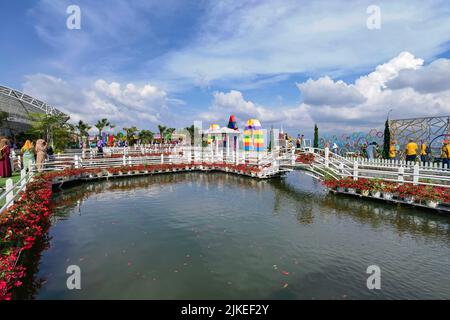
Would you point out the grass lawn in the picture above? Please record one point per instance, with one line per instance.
(15, 177)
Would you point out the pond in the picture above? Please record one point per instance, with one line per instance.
(222, 236)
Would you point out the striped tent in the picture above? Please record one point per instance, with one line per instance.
(253, 136)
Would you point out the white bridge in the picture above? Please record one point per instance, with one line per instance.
(319, 163)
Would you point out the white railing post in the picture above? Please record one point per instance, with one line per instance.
(75, 160)
(416, 174)
(401, 172)
(162, 158)
(355, 170)
(9, 192)
(23, 182)
(11, 159)
(19, 162)
(129, 161)
(30, 167)
(327, 156)
(124, 159)
(293, 156)
(341, 168)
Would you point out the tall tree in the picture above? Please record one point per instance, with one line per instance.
(146, 136)
(101, 124)
(129, 134)
(191, 131)
(82, 129)
(316, 136)
(387, 140)
(168, 134)
(52, 128)
(162, 129)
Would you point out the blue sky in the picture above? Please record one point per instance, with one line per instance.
(288, 63)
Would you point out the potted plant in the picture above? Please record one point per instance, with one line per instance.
(408, 192)
(432, 195)
(388, 190)
(376, 186)
(349, 184)
(363, 185)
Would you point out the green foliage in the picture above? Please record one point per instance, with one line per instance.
(130, 135)
(387, 140)
(191, 131)
(168, 134)
(146, 136)
(316, 136)
(101, 124)
(3, 117)
(52, 128)
(162, 129)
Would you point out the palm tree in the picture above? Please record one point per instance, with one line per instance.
(191, 131)
(83, 129)
(101, 124)
(130, 132)
(162, 129)
(168, 134)
(146, 136)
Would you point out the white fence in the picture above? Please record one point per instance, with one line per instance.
(328, 163)
(12, 190)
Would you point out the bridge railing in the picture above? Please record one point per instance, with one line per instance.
(12, 190)
(189, 155)
(401, 172)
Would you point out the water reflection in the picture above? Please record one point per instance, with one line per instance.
(377, 214)
(308, 195)
(216, 235)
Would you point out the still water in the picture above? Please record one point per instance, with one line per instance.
(219, 236)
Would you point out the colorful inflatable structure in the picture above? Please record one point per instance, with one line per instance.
(253, 136)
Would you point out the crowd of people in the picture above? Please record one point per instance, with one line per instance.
(32, 153)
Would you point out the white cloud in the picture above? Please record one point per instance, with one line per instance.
(143, 106)
(401, 84)
(432, 78)
(233, 102)
(338, 106)
(338, 92)
(239, 40)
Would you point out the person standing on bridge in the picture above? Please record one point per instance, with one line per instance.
(370, 150)
(445, 155)
(392, 150)
(41, 153)
(27, 154)
(424, 152)
(5, 162)
(411, 151)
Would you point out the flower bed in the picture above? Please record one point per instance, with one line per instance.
(305, 158)
(429, 195)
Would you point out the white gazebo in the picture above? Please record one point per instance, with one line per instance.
(225, 133)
